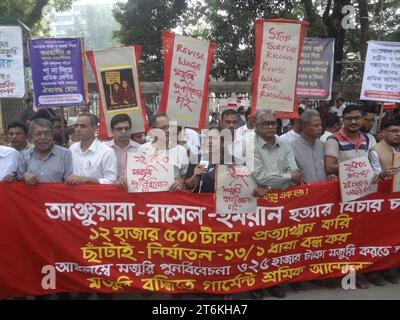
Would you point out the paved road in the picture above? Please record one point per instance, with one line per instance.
(310, 292)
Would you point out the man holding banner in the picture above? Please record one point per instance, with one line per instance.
(93, 161)
(274, 168)
(163, 145)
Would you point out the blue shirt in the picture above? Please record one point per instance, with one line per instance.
(56, 167)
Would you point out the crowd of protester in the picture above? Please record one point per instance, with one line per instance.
(284, 152)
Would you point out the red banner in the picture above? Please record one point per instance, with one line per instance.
(186, 71)
(278, 49)
(100, 238)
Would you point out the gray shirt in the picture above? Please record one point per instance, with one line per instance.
(272, 165)
(310, 159)
(56, 167)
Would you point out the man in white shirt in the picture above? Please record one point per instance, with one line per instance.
(121, 127)
(294, 133)
(332, 124)
(163, 145)
(8, 163)
(338, 109)
(93, 161)
(247, 128)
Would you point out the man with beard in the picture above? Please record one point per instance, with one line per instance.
(348, 143)
(381, 156)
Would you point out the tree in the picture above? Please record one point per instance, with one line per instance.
(232, 28)
(30, 11)
(141, 23)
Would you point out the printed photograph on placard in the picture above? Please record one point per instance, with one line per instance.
(119, 88)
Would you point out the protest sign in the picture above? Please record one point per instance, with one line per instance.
(278, 50)
(355, 177)
(118, 85)
(12, 80)
(234, 188)
(185, 89)
(148, 173)
(316, 69)
(381, 80)
(58, 72)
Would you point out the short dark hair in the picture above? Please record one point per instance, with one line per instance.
(228, 112)
(121, 117)
(93, 118)
(17, 124)
(340, 98)
(59, 119)
(387, 123)
(330, 120)
(155, 117)
(351, 108)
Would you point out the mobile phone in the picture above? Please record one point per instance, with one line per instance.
(204, 163)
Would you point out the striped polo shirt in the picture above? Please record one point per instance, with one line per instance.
(340, 147)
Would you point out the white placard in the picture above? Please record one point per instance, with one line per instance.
(381, 80)
(234, 188)
(148, 173)
(355, 176)
(12, 80)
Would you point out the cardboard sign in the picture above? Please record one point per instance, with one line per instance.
(278, 49)
(119, 88)
(355, 177)
(234, 188)
(148, 173)
(187, 67)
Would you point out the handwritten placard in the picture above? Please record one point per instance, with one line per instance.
(58, 72)
(148, 173)
(234, 188)
(316, 69)
(12, 82)
(187, 67)
(381, 80)
(278, 48)
(355, 177)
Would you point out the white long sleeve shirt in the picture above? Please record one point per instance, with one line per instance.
(97, 162)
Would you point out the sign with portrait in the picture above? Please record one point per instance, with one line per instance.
(119, 88)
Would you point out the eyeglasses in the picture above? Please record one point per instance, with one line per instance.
(267, 124)
(349, 119)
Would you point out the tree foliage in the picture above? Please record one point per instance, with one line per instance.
(141, 23)
(30, 12)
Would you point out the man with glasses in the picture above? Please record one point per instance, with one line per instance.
(121, 127)
(274, 168)
(44, 161)
(348, 143)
